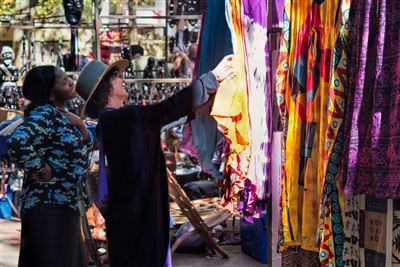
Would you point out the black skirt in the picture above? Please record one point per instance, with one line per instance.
(51, 237)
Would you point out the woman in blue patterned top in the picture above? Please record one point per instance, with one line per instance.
(52, 147)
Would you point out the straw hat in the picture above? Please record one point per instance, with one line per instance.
(91, 76)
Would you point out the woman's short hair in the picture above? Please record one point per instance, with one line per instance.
(99, 99)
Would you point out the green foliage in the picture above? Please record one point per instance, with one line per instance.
(46, 8)
(87, 15)
(7, 7)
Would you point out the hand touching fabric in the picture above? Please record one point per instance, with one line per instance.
(225, 69)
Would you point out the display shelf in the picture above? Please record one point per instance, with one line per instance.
(160, 80)
(133, 17)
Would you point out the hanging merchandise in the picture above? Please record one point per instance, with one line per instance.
(33, 52)
(52, 57)
(60, 58)
(376, 226)
(331, 226)
(192, 7)
(256, 59)
(25, 62)
(9, 91)
(351, 231)
(396, 234)
(276, 10)
(127, 54)
(242, 109)
(201, 135)
(371, 158)
(73, 11)
(302, 88)
(41, 42)
(175, 8)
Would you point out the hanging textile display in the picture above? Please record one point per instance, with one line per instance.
(367, 229)
(255, 40)
(201, 135)
(276, 12)
(371, 160)
(351, 231)
(331, 227)
(302, 88)
(374, 214)
(230, 110)
(242, 109)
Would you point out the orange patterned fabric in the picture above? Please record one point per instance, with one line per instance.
(302, 88)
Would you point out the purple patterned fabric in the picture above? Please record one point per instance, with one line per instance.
(248, 206)
(371, 161)
(277, 10)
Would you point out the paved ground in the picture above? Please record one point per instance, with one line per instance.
(10, 237)
(236, 259)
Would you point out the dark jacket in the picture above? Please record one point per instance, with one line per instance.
(138, 216)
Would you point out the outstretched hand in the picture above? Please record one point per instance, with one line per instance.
(225, 69)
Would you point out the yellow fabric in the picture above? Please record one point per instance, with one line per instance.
(230, 109)
(310, 33)
(231, 113)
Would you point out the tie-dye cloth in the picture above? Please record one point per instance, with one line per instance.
(259, 93)
(242, 108)
(310, 32)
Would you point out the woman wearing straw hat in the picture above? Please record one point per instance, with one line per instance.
(137, 220)
(51, 145)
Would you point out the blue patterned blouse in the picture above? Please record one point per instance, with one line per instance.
(47, 136)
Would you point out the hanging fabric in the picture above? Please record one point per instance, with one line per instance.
(201, 135)
(331, 226)
(255, 40)
(309, 36)
(242, 109)
(277, 7)
(371, 159)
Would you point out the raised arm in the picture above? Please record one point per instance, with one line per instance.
(196, 94)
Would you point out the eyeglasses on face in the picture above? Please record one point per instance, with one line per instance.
(118, 74)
